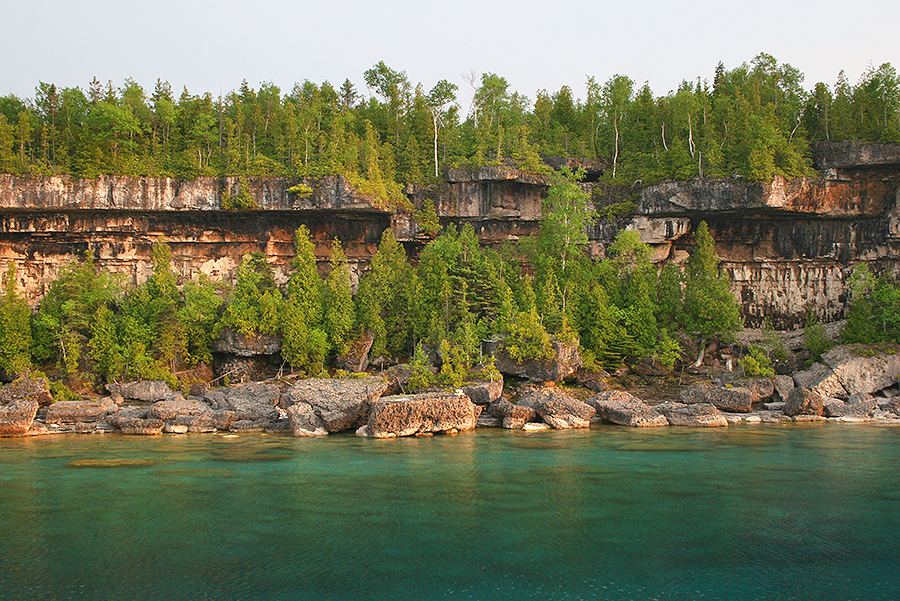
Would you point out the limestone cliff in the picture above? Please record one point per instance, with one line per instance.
(788, 244)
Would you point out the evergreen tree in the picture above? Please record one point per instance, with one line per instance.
(305, 344)
(15, 328)
(338, 300)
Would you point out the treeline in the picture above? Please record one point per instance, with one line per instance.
(755, 120)
(620, 309)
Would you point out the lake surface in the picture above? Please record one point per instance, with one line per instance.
(780, 512)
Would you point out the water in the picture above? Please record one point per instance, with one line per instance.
(798, 512)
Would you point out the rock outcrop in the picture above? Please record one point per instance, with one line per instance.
(697, 415)
(624, 409)
(864, 369)
(512, 417)
(803, 401)
(420, 414)
(564, 363)
(72, 412)
(558, 409)
(19, 403)
(340, 403)
(254, 401)
(146, 391)
(484, 392)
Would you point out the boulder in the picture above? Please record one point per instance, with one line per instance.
(696, 415)
(859, 405)
(592, 379)
(489, 421)
(803, 401)
(513, 417)
(19, 403)
(762, 389)
(206, 422)
(146, 391)
(137, 426)
(736, 398)
(235, 343)
(254, 401)
(169, 410)
(304, 421)
(36, 389)
(618, 407)
(415, 414)
(783, 387)
(250, 425)
(564, 363)
(234, 369)
(398, 379)
(73, 412)
(821, 380)
(864, 369)
(484, 392)
(356, 357)
(558, 409)
(341, 403)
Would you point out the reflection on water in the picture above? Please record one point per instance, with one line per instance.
(611, 513)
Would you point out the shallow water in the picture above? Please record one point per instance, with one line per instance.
(764, 512)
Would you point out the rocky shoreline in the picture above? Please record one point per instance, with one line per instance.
(853, 383)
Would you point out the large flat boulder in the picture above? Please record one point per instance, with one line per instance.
(736, 399)
(558, 409)
(254, 401)
(206, 422)
(695, 415)
(341, 403)
(862, 368)
(618, 407)
(822, 380)
(565, 362)
(19, 403)
(859, 405)
(138, 426)
(35, 389)
(169, 410)
(73, 412)
(513, 417)
(420, 414)
(145, 391)
(803, 401)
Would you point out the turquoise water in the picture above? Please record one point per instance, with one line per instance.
(612, 513)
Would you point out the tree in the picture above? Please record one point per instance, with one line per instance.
(338, 300)
(15, 328)
(442, 94)
(305, 344)
(710, 309)
(616, 95)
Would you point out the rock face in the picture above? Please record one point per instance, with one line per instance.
(622, 408)
(234, 343)
(736, 398)
(255, 401)
(340, 403)
(803, 401)
(564, 363)
(513, 417)
(697, 415)
(821, 380)
(305, 421)
(419, 414)
(170, 410)
(356, 359)
(72, 412)
(558, 409)
(864, 369)
(19, 403)
(484, 392)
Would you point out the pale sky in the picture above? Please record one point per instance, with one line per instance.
(210, 46)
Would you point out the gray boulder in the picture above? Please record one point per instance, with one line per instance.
(858, 405)
(304, 420)
(35, 389)
(783, 387)
(822, 380)
(254, 401)
(513, 417)
(146, 391)
(138, 426)
(762, 389)
(736, 399)
(558, 409)
(356, 357)
(169, 410)
(484, 392)
(19, 403)
(696, 415)
(420, 414)
(341, 403)
(864, 369)
(803, 401)
(618, 407)
(73, 412)
(209, 421)
(564, 363)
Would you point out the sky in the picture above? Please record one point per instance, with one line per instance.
(211, 46)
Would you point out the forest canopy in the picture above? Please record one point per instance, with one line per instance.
(755, 120)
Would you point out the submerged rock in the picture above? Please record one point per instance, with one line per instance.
(618, 407)
(420, 413)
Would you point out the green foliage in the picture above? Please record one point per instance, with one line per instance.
(528, 339)
(242, 201)
(710, 309)
(61, 392)
(15, 327)
(338, 300)
(421, 376)
(757, 363)
(772, 342)
(301, 190)
(453, 367)
(305, 343)
(255, 306)
(815, 339)
(427, 218)
(873, 314)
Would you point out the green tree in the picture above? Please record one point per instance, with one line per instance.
(338, 300)
(710, 309)
(15, 328)
(305, 344)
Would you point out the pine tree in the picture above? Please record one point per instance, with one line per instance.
(338, 300)
(710, 309)
(15, 329)
(305, 344)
